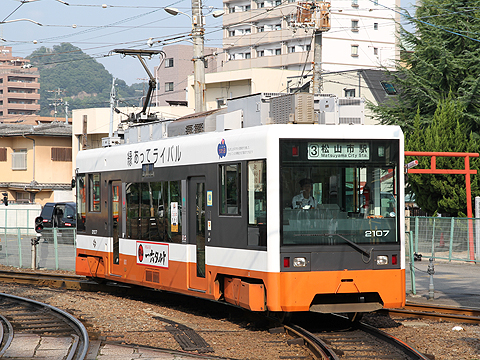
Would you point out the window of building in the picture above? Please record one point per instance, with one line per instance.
(19, 159)
(349, 92)
(169, 62)
(261, 29)
(389, 88)
(248, 55)
(354, 25)
(278, 51)
(230, 186)
(247, 8)
(278, 26)
(168, 86)
(308, 47)
(261, 4)
(247, 31)
(22, 197)
(375, 51)
(278, 2)
(261, 53)
(94, 192)
(3, 154)
(375, 26)
(1, 102)
(354, 50)
(221, 102)
(61, 154)
(231, 9)
(291, 49)
(231, 33)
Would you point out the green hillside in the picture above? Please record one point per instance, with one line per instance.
(83, 82)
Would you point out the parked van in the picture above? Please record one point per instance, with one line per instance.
(60, 215)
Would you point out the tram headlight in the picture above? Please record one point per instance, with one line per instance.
(382, 260)
(299, 262)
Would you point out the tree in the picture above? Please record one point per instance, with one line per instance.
(446, 133)
(440, 57)
(84, 82)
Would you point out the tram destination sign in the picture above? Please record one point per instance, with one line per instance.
(331, 150)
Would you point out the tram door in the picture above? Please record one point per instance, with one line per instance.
(115, 214)
(196, 232)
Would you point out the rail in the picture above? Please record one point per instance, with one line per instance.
(79, 348)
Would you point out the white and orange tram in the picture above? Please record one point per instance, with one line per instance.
(271, 217)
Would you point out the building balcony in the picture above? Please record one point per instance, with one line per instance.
(273, 61)
(23, 85)
(21, 96)
(31, 107)
(264, 37)
(258, 15)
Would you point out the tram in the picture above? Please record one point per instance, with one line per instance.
(260, 204)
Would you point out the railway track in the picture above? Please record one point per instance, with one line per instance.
(31, 329)
(343, 339)
(438, 313)
(325, 344)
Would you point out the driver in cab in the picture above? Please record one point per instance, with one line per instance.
(304, 200)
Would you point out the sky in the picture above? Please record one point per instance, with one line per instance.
(98, 27)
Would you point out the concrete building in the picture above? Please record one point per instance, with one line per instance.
(36, 162)
(173, 73)
(259, 33)
(19, 86)
(225, 85)
(372, 85)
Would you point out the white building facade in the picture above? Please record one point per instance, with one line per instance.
(259, 33)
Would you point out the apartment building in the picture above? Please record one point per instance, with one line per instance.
(172, 74)
(36, 162)
(19, 86)
(261, 33)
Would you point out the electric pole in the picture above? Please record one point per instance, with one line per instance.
(66, 112)
(315, 15)
(198, 55)
(56, 101)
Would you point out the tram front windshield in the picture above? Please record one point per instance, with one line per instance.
(336, 191)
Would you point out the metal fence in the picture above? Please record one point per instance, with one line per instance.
(19, 216)
(55, 250)
(444, 238)
(452, 239)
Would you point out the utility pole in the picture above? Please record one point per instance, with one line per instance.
(198, 56)
(113, 95)
(66, 112)
(315, 15)
(55, 100)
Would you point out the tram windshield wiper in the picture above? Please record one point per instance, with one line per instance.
(354, 245)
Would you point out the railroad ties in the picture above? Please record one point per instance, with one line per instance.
(30, 330)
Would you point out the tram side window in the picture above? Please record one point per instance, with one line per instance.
(230, 185)
(94, 192)
(257, 203)
(154, 211)
(81, 202)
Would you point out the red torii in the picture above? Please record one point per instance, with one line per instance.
(467, 171)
